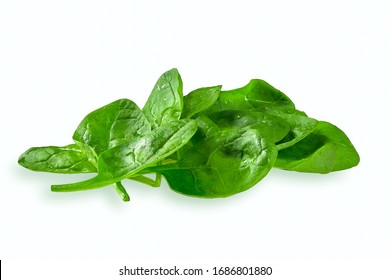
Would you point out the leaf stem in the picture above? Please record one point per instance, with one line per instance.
(120, 189)
(158, 178)
(143, 179)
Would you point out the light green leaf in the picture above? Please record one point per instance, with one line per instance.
(68, 160)
(165, 103)
(199, 100)
(256, 94)
(325, 150)
(111, 125)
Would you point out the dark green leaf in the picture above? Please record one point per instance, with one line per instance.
(223, 164)
(128, 158)
(236, 138)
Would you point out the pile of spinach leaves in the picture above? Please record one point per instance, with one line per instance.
(208, 143)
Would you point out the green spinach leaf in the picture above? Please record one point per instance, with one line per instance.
(209, 143)
(324, 150)
(269, 126)
(221, 165)
(206, 128)
(300, 126)
(67, 160)
(256, 94)
(165, 103)
(128, 158)
(111, 125)
(261, 98)
(199, 100)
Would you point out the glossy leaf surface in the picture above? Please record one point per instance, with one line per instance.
(111, 125)
(256, 94)
(200, 99)
(269, 126)
(68, 160)
(128, 158)
(165, 103)
(325, 150)
(209, 143)
(300, 126)
(224, 164)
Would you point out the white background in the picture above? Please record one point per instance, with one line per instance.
(59, 60)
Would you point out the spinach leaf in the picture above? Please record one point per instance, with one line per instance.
(206, 128)
(111, 125)
(269, 126)
(226, 163)
(259, 96)
(165, 103)
(128, 158)
(324, 150)
(300, 126)
(209, 143)
(67, 160)
(256, 94)
(199, 100)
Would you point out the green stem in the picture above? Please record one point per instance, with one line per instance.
(143, 179)
(158, 178)
(120, 189)
(93, 183)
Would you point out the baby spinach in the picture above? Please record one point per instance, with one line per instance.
(256, 94)
(226, 163)
(199, 100)
(111, 125)
(324, 150)
(165, 103)
(270, 126)
(300, 126)
(128, 158)
(67, 160)
(208, 143)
